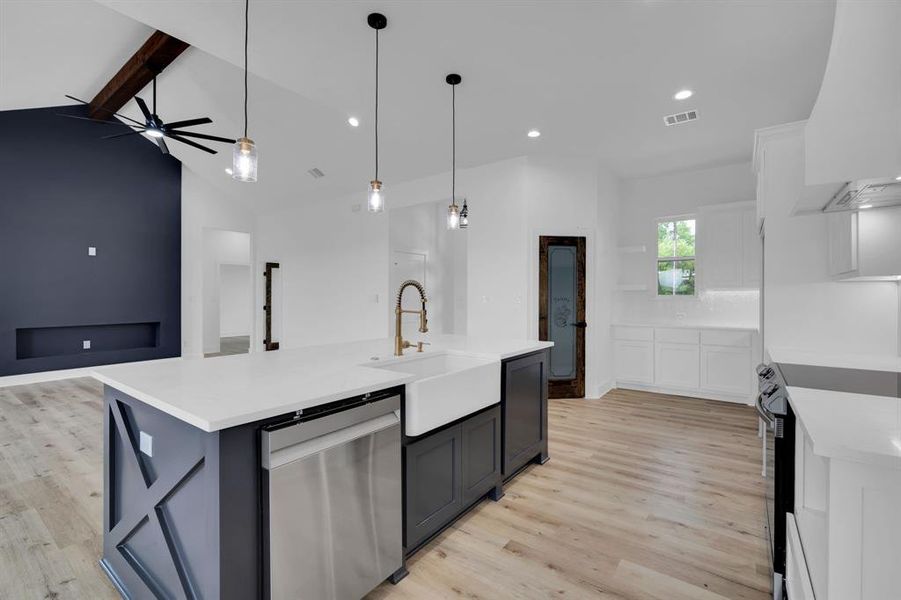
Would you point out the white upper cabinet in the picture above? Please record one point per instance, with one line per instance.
(865, 245)
(728, 247)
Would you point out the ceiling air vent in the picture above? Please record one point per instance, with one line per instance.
(315, 173)
(680, 118)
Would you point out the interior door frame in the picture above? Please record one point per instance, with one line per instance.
(576, 387)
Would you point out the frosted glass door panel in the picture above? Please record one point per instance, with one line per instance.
(562, 298)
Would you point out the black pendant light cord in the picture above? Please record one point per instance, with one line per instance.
(246, 31)
(154, 95)
(376, 104)
(454, 144)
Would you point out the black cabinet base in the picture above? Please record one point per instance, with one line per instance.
(398, 575)
(497, 493)
(543, 458)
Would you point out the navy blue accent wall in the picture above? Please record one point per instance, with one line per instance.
(62, 190)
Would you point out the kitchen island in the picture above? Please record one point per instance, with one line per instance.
(186, 505)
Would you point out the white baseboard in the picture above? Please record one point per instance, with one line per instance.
(600, 390)
(44, 376)
(706, 395)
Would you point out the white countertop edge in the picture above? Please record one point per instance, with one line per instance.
(381, 378)
(257, 415)
(688, 325)
(834, 450)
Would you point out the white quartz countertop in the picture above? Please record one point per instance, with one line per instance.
(217, 393)
(856, 427)
(872, 362)
(684, 324)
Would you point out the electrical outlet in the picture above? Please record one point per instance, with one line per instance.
(356, 208)
(92, 251)
(86, 344)
(146, 444)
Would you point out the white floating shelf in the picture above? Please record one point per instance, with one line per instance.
(632, 249)
(631, 287)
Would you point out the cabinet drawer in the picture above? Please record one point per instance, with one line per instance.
(676, 335)
(633, 334)
(739, 339)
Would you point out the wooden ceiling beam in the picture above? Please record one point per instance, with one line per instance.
(156, 54)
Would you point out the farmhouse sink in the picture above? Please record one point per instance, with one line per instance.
(448, 386)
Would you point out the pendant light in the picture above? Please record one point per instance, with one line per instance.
(454, 216)
(376, 201)
(244, 155)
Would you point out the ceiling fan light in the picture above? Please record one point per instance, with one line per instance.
(244, 160)
(154, 133)
(376, 202)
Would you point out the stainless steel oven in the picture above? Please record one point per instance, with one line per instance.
(779, 466)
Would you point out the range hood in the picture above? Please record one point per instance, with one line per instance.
(865, 193)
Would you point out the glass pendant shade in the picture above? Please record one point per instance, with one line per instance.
(464, 216)
(244, 160)
(453, 216)
(376, 196)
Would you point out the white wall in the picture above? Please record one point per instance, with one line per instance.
(235, 297)
(203, 208)
(334, 271)
(646, 200)
(335, 261)
(422, 229)
(804, 308)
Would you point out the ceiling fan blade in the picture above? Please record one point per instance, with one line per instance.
(101, 121)
(189, 122)
(190, 143)
(162, 144)
(104, 110)
(118, 135)
(143, 106)
(201, 136)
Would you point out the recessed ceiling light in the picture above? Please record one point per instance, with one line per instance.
(683, 95)
(533, 133)
(354, 122)
(863, 206)
(229, 170)
(898, 178)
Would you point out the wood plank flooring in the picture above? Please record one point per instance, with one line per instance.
(645, 497)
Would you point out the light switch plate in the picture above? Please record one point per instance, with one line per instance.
(92, 251)
(147, 444)
(86, 344)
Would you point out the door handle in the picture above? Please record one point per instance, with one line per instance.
(580, 324)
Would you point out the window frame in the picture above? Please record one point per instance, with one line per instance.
(674, 259)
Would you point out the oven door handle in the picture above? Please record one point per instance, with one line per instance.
(768, 418)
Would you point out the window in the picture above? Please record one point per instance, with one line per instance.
(676, 258)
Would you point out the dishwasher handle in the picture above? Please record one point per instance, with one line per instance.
(309, 447)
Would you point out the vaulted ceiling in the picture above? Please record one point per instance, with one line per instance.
(595, 77)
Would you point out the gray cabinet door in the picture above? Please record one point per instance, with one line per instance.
(481, 454)
(433, 484)
(524, 409)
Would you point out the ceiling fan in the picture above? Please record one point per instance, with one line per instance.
(155, 127)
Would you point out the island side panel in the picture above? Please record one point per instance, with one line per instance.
(161, 517)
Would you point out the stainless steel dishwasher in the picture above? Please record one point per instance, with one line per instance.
(333, 500)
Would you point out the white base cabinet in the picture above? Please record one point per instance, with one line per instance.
(676, 365)
(716, 364)
(634, 361)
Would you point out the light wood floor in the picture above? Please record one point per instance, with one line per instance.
(645, 497)
(231, 345)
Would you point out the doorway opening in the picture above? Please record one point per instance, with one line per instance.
(227, 293)
(561, 312)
